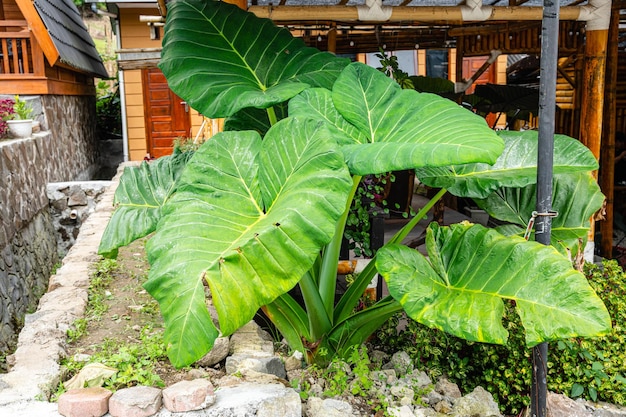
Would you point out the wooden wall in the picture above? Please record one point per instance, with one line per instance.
(136, 35)
(10, 11)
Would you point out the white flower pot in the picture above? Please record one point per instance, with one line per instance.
(20, 128)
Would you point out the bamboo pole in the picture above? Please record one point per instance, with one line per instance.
(607, 153)
(593, 102)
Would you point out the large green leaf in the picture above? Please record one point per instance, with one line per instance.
(254, 119)
(471, 269)
(222, 59)
(385, 128)
(516, 166)
(249, 218)
(516, 205)
(141, 193)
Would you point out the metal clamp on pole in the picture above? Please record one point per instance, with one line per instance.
(531, 221)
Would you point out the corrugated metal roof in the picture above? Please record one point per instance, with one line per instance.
(70, 36)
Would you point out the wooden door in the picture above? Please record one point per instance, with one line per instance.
(470, 66)
(166, 114)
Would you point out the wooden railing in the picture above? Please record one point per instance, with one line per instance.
(20, 56)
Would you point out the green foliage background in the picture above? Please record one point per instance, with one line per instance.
(593, 369)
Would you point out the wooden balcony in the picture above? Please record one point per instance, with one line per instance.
(21, 58)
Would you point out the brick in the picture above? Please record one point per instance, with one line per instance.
(189, 396)
(84, 402)
(137, 401)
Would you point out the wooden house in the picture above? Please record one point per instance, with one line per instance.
(45, 49)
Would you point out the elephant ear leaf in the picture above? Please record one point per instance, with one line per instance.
(470, 271)
(573, 214)
(141, 193)
(515, 167)
(376, 137)
(248, 220)
(221, 59)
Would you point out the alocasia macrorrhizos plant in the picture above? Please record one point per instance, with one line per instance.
(255, 212)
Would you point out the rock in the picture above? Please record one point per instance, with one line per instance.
(561, 406)
(196, 374)
(400, 391)
(448, 389)
(246, 399)
(479, 402)
(189, 396)
(137, 401)
(401, 363)
(444, 407)
(294, 361)
(418, 378)
(264, 364)
(384, 377)
(404, 411)
(77, 196)
(316, 407)
(92, 375)
(218, 353)
(251, 338)
(432, 398)
(84, 402)
(606, 410)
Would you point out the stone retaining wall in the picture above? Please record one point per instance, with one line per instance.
(70, 205)
(66, 150)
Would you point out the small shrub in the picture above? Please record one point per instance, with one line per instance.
(108, 112)
(593, 369)
(6, 113)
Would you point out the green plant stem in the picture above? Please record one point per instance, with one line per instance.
(290, 319)
(351, 297)
(358, 327)
(404, 232)
(319, 320)
(271, 114)
(328, 272)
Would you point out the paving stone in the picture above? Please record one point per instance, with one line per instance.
(137, 401)
(189, 395)
(84, 402)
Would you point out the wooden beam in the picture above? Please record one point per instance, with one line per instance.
(448, 14)
(36, 26)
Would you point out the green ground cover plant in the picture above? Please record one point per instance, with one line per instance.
(258, 210)
(592, 368)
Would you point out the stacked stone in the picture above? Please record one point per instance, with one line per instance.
(71, 203)
(28, 249)
(25, 265)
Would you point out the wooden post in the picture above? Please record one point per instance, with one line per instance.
(332, 38)
(593, 99)
(242, 4)
(607, 154)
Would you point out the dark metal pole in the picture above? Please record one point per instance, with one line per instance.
(547, 107)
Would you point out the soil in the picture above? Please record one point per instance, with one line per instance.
(129, 309)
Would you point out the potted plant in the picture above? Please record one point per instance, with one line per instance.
(20, 123)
